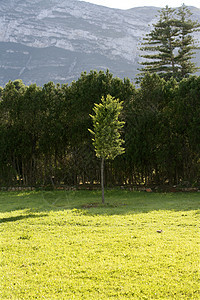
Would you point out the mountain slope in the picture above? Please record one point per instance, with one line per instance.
(43, 40)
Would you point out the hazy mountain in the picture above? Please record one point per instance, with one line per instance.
(43, 40)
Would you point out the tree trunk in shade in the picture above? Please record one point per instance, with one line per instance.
(102, 179)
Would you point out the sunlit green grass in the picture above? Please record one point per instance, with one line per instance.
(66, 245)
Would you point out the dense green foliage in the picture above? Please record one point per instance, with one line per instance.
(106, 128)
(66, 245)
(44, 137)
(170, 45)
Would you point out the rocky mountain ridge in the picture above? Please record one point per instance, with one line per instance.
(43, 40)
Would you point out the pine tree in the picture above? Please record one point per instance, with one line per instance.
(170, 44)
(186, 42)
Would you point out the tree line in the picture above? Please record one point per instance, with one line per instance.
(44, 137)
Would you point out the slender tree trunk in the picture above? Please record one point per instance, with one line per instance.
(102, 179)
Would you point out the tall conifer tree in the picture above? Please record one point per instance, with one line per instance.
(169, 46)
(187, 44)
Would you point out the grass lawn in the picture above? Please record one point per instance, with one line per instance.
(66, 245)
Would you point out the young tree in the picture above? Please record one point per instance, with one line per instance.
(107, 141)
(170, 45)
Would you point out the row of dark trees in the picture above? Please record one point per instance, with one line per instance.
(44, 137)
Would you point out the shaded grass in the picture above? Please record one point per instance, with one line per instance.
(67, 245)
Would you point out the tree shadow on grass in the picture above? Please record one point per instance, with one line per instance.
(21, 217)
(118, 202)
(142, 202)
